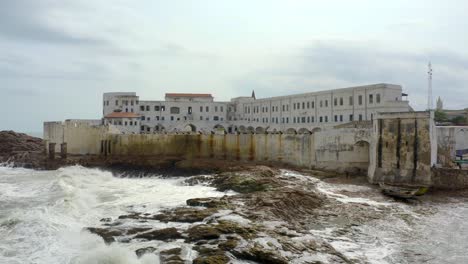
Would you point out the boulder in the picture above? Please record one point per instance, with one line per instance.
(165, 234)
(202, 232)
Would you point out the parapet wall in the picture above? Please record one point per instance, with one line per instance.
(345, 149)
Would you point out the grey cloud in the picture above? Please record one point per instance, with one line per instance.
(327, 65)
(24, 20)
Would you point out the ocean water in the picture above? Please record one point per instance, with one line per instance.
(43, 213)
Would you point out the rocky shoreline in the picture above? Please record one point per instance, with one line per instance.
(273, 216)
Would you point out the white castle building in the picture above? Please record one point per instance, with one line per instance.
(299, 113)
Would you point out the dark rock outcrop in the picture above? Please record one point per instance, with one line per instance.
(21, 149)
(165, 234)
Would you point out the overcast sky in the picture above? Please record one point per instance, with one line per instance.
(58, 57)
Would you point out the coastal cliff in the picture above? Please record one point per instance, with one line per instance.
(21, 149)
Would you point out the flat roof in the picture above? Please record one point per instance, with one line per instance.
(187, 95)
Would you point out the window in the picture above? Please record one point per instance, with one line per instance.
(126, 110)
(147, 108)
(216, 109)
(207, 109)
(175, 110)
(326, 103)
(294, 106)
(336, 118)
(215, 118)
(162, 118)
(143, 118)
(156, 108)
(142, 107)
(142, 128)
(308, 105)
(341, 100)
(377, 98)
(131, 102)
(157, 118)
(350, 100)
(308, 119)
(172, 118)
(189, 110)
(350, 117)
(341, 118)
(321, 104)
(131, 123)
(116, 102)
(360, 117)
(125, 123)
(201, 108)
(313, 105)
(335, 102)
(201, 117)
(303, 119)
(148, 118)
(321, 119)
(360, 100)
(312, 118)
(371, 98)
(294, 119)
(221, 108)
(303, 105)
(163, 108)
(326, 119)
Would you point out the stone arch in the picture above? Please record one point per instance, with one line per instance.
(303, 131)
(219, 129)
(317, 129)
(242, 129)
(190, 128)
(260, 130)
(291, 131)
(250, 129)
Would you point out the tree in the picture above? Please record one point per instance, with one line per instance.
(459, 120)
(440, 116)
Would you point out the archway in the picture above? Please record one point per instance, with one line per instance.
(303, 131)
(190, 128)
(219, 129)
(250, 130)
(291, 131)
(361, 151)
(317, 129)
(242, 129)
(259, 130)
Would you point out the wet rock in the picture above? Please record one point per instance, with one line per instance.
(140, 252)
(202, 232)
(260, 255)
(185, 215)
(106, 234)
(165, 234)
(229, 227)
(207, 202)
(171, 256)
(229, 244)
(106, 220)
(214, 259)
(256, 179)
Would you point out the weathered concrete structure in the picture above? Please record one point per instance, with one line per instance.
(403, 148)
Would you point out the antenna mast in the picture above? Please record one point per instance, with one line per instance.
(429, 92)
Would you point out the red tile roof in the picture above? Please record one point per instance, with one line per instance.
(121, 115)
(187, 95)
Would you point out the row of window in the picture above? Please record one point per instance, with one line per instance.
(176, 110)
(124, 102)
(308, 105)
(123, 123)
(172, 118)
(304, 119)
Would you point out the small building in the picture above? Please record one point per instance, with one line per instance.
(126, 123)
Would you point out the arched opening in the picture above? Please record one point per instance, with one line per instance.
(242, 129)
(219, 129)
(303, 131)
(259, 130)
(291, 131)
(361, 150)
(250, 130)
(317, 129)
(190, 128)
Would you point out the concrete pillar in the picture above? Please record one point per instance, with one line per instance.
(46, 147)
(51, 151)
(63, 150)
